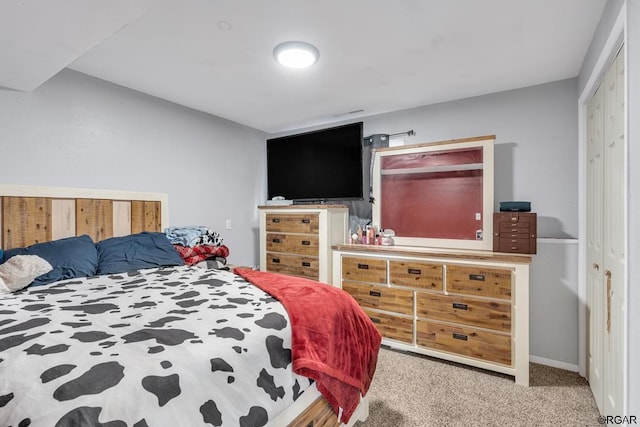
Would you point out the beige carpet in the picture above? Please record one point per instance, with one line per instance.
(414, 390)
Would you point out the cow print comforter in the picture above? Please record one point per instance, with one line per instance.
(174, 346)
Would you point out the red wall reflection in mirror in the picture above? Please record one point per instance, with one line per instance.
(433, 195)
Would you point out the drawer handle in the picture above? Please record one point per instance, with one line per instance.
(462, 337)
(375, 319)
(306, 264)
(363, 266)
(306, 243)
(414, 271)
(477, 277)
(276, 220)
(374, 293)
(276, 260)
(460, 306)
(275, 240)
(306, 221)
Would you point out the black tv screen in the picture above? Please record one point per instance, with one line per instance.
(316, 166)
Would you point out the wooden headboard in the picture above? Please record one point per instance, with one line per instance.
(31, 215)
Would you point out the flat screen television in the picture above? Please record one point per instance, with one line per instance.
(316, 166)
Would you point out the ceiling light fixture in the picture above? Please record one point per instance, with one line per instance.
(296, 54)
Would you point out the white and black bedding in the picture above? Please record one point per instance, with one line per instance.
(169, 346)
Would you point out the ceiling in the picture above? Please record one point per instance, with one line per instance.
(376, 56)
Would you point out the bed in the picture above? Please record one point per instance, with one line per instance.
(122, 337)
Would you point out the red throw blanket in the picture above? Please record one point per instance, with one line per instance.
(333, 340)
(195, 254)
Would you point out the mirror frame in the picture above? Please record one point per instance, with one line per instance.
(484, 142)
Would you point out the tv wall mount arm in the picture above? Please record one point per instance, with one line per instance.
(379, 140)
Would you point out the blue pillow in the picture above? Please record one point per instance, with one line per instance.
(135, 252)
(70, 258)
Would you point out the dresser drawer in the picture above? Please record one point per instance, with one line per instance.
(517, 228)
(381, 297)
(416, 274)
(480, 281)
(469, 311)
(292, 223)
(364, 269)
(471, 342)
(515, 244)
(293, 264)
(293, 243)
(390, 326)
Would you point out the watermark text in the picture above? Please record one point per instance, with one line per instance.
(618, 419)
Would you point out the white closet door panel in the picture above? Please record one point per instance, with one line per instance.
(595, 222)
(614, 235)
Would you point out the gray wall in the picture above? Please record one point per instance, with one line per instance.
(554, 303)
(78, 131)
(536, 148)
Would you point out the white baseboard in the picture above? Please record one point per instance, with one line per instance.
(554, 363)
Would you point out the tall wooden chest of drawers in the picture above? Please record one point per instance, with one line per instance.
(297, 239)
(469, 307)
(515, 232)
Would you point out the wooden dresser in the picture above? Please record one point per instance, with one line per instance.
(297, 239)
(469, 307)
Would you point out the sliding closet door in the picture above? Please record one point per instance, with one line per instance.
(606, 231)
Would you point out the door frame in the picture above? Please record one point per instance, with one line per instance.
(617, 36)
